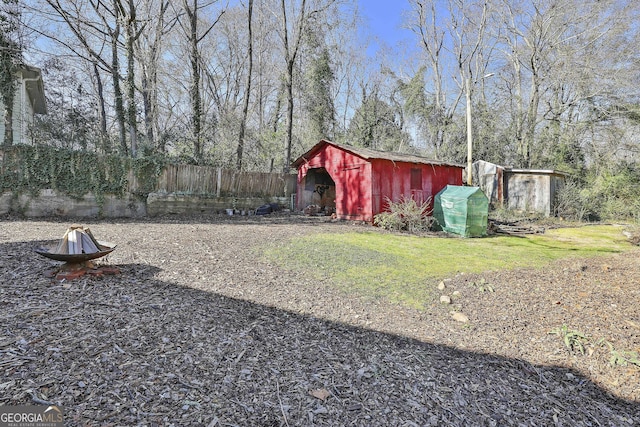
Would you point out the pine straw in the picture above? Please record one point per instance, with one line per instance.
(197, 332)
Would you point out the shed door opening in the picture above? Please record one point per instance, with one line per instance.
(320, 190)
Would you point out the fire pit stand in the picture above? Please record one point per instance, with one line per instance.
(77, 249)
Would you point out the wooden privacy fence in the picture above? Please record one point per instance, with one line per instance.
(211, 181)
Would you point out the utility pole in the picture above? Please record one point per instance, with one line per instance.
(467, 90)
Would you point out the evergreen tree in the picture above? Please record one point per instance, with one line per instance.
(319, 102)
(374, 125)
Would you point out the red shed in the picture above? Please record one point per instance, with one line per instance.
(356, 181)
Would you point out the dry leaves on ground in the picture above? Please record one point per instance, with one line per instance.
(197, 330)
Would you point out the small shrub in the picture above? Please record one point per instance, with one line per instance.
(483, 286)
(406, 215)
(611, 194)
(574, 203)
(624, 358)
(621, 357)
(573, 340)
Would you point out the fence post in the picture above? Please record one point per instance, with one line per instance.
(219, 182)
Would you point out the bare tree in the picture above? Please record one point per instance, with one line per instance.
(425, 22)
(102, 113)
(191, 9)
(528, 48)
(114, 33)
(90, 23)
(468, 28)
(247, 90)
(349, 61)
(291, 48)
(128, 14)
(294, 22)
(561, 58)
(148, 50)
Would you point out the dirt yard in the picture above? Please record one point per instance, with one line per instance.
(198, 331)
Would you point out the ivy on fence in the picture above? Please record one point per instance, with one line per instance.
(26, 169)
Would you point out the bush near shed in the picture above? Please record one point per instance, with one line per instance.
(406, 215)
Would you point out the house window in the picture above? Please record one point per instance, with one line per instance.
(416, 179)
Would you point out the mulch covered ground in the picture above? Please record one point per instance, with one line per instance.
(196, 330)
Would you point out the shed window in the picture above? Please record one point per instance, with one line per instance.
(416, 179)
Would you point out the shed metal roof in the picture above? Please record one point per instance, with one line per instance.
(490, 168)
(537, 171)
(369, 154)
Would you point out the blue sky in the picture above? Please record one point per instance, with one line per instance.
(385, 19)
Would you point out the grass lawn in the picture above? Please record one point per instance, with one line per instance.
(406, 269)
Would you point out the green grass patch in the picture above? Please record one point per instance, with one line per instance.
(405, 268)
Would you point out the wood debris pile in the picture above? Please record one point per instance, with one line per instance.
(78, 240)
(514, 228)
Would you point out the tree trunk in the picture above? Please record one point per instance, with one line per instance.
(247, 93)
(291, 52)
(102, 113)
(532, 118)
(194, 88)
(117, 91)
(149, 78)
(289, 140)
(131, 84)
(146, 103)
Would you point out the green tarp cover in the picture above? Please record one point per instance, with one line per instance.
(462, 210)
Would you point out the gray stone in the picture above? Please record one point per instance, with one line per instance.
(459, 317)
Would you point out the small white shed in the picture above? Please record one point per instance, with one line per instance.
(29, 100)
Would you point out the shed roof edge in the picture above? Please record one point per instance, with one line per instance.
(369, 154)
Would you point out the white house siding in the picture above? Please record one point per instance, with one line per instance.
(22, 119)
(29, 91)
